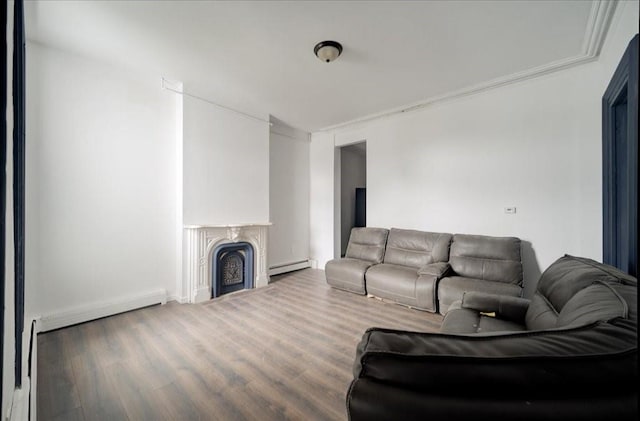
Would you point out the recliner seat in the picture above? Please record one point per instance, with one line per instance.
(413, 262)
(366, 247)
(481, 263)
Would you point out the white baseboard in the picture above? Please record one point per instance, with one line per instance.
(289, 267)
(20, 404)
(181, 300)
(97, 310)
(202, 294)
(23, 400)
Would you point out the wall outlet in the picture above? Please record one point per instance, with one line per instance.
(511, 209)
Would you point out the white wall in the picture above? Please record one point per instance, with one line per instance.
(288, 195)
(100, 183)
(321, 204)
(226, 166)
(455, 165)
(353, 174)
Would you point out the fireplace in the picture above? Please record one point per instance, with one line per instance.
(201, 245)
(232, 267)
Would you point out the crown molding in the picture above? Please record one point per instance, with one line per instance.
(597, 26)
(281, 128)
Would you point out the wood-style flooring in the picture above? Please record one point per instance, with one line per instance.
(281, 352)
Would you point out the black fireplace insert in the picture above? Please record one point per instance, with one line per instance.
(232, 268)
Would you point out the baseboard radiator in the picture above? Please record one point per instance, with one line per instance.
(98, 310)
(289, 267)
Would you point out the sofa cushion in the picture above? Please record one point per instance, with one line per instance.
(487, 258)
(416, 248)
(502, 306)
(367, 243)
(460, 320)
(347, 274)
(452, 288)
(402, 284)
(571, 288)
(391, 281)
(595, 303)
(569, 374)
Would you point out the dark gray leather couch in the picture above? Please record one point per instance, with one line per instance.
(569, 353)
(366, 248)
(413, 263)
(481, 263)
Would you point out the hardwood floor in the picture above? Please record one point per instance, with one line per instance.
(280, 352)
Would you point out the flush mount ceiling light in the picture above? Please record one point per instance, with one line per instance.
(328, 51)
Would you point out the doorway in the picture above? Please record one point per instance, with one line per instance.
(620, 164)
(353, 190)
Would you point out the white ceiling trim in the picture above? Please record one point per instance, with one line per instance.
(597, 26)
(171, 86)
(281, 128)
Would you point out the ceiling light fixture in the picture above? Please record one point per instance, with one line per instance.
(327, 51)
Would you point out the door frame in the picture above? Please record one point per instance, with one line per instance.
(623, 86)
(338, 204)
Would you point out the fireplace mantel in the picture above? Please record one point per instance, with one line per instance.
(199, 243)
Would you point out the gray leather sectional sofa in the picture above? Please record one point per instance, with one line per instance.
(569, 353)
(426, 270)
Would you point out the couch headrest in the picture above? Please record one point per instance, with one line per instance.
(487, 258)
(367, 243)
(416, 248)
(578, 291)
(570, 274)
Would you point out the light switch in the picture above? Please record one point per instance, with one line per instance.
(511, 209)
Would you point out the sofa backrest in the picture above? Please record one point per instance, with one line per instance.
(576, 291)
(487, 258)
(367, 243)
(416, 248)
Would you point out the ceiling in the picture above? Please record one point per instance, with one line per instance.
(258, 56)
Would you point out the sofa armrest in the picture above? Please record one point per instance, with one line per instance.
(544, 363)
(502, 306)
(435, 269)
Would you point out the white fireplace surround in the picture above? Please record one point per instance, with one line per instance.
(199, 243)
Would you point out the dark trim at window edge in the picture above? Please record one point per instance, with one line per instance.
(18, 178)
